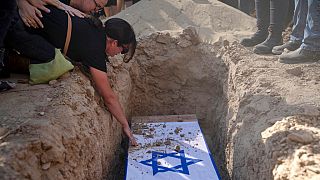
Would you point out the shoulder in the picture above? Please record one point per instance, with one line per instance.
(92, 51)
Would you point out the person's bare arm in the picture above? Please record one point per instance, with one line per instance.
(102, 85)
(30, 13)
(70, 10)
(40, 4)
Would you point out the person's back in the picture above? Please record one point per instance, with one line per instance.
(87, 43)
(91, 45)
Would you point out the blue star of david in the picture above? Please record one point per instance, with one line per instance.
(182, 168)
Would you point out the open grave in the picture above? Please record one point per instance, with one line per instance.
(260, 118)
(170, 147)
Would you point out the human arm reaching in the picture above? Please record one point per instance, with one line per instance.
(102, 84)
(30, 13)
(68, 9)
(40, 4)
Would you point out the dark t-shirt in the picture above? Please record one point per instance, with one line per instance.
(87, 43)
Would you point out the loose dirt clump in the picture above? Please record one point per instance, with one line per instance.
(293, 145)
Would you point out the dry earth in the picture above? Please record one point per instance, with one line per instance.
(260, 118)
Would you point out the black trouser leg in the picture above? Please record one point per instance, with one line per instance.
(246, 6)
(263, 19)
(263, 14)
(7, 10)
(278, 15)
(30, 45)
(233, 3)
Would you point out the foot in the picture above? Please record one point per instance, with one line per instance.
(300, 56)
(290, 45)
(6, 85)
(266, 46)
(255, 39)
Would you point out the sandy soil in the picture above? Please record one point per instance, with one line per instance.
(57, 131)
(260, 118)
(273, 117)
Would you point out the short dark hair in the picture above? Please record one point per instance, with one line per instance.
(120, 30)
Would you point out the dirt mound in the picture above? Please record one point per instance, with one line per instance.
(212, 19)
(262, 92)
(57, 131)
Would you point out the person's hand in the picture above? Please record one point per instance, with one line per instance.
(29, 14)
(40, 4)
(128, 132)
(68, 9)
(72, 11)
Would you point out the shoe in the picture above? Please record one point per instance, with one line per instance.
(290, 45)
(6, 85)
(255, 39)
(300, 56)
(266, 46)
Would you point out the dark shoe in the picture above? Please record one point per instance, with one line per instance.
(255, 39)
(290, 45)
(266, 46)
(300, 56)
(6, 85)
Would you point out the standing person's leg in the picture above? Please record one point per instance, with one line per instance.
(311, 39)
(278, 13)
(233, 3)
(30, 45)
(120, 4)
(246, 6)
(309, 51)
(7, 9)
(300, 20)
(297, 34)
(263, 21)
(45, 61)
(116, 6)
(109, 9)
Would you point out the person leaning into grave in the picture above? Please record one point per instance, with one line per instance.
(84, 40)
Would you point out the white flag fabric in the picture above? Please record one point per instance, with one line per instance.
(170, 150)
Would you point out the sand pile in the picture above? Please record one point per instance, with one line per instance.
(212, 19)
(259, 117)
